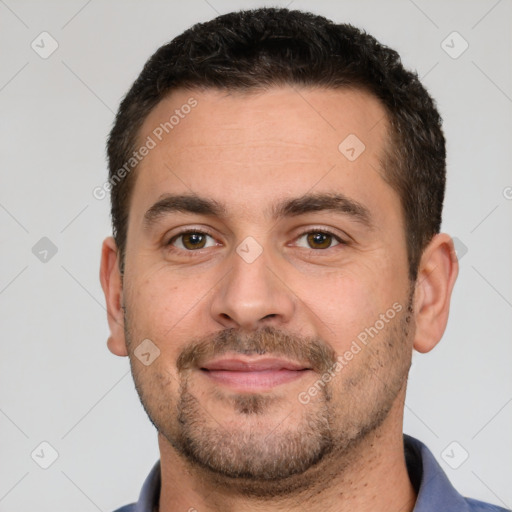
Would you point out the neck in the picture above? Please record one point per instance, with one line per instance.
(373, 476)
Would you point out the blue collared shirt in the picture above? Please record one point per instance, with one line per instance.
(435, 492)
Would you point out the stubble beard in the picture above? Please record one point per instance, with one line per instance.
(286, 459)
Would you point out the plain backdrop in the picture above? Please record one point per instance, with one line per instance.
(59, 383)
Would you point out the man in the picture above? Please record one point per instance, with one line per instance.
(277, 184)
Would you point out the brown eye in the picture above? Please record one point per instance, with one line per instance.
(190, 240)
(194, 240)
(320, 240)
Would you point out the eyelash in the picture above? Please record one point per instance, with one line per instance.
(300, 235)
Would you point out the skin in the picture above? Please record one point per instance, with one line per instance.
(249, 151)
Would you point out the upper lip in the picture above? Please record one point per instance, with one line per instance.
(237, 364)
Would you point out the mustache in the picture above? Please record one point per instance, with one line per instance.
(318, 354)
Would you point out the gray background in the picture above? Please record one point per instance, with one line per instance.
(60, 384)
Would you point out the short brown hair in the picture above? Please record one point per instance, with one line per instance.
(262, 48)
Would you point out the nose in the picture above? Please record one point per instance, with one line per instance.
(252, 295)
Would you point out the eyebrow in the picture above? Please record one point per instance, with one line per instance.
(319, 202)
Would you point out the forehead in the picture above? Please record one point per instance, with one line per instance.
(252, 147)
(297, 113)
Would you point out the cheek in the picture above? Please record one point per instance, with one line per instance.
(156, 309)
(163, 299)
(345, 304)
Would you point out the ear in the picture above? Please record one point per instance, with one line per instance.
(437, 273)
(112, 284)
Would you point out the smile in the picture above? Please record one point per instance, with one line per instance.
(253, 375)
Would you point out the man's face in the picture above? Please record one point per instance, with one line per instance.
(250, 313)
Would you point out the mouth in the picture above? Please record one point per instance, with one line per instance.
(256, 375)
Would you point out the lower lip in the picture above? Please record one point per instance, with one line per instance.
(254, 381)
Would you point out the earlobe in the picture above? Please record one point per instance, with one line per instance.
(112, 285)
(115, 347)
(437, 274)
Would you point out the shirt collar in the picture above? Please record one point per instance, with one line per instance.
(434, 490)
(150, 492)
